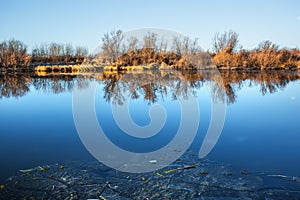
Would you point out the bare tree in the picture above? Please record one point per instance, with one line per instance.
(150, 41)
(68, 50)
(81, 51)
(185, 46)
(190, 51)
(56, 49)
(267, 45)
(112, 45)
(41, 50)
(55, 52)
(163, 45)
(13, 53)
(132, 44)
(228, 41)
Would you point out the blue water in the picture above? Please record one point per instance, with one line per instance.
(261, 132)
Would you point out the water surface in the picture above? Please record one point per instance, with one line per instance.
(261, 130)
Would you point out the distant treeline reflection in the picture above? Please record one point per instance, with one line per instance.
(152, 85)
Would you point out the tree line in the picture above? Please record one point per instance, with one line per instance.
(14, 54)
(182, 53)
(185, 52)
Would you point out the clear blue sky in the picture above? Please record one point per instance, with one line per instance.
(84, 22)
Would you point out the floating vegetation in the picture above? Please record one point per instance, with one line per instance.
(184, 179)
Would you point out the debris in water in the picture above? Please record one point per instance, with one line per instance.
(61, 167)
(158, 174)
(64, 179)
(205, 183)
(28, 170)
(181, 180)
(101, 192)
(152, 161)
(244, 171)
(203, 173)
(296, 179)
(278, 175)
(169, 171)
(42, 169)
(188, 167)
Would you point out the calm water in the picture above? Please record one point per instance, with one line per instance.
(261, 130)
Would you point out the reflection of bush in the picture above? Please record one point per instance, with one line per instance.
(17, 85)
(153, 86)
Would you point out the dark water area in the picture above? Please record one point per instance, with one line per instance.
(261, 131)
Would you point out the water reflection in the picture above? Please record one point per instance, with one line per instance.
(17, 85)
(151, 85)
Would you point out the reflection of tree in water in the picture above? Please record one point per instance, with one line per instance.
(14, 85)
(54, 84)
(112, 88)
(268, 81)
(223, 86)
(152, 86)
(18, 85)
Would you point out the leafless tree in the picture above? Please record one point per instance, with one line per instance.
(150, 41)
(191, 51)
(132, 44)
(81, 51)
(228, 41)
(185, 46)
(41, 51)
(163, 45)
(13, 53)
(267, 45)
(54, 52)
(112, 46)
(68, 50)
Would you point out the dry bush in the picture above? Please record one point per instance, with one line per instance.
(266, 56)
(13, 53)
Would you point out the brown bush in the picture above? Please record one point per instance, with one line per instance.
(266, 56)
(13, 53)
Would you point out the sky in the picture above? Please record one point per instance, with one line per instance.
(84, 22)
